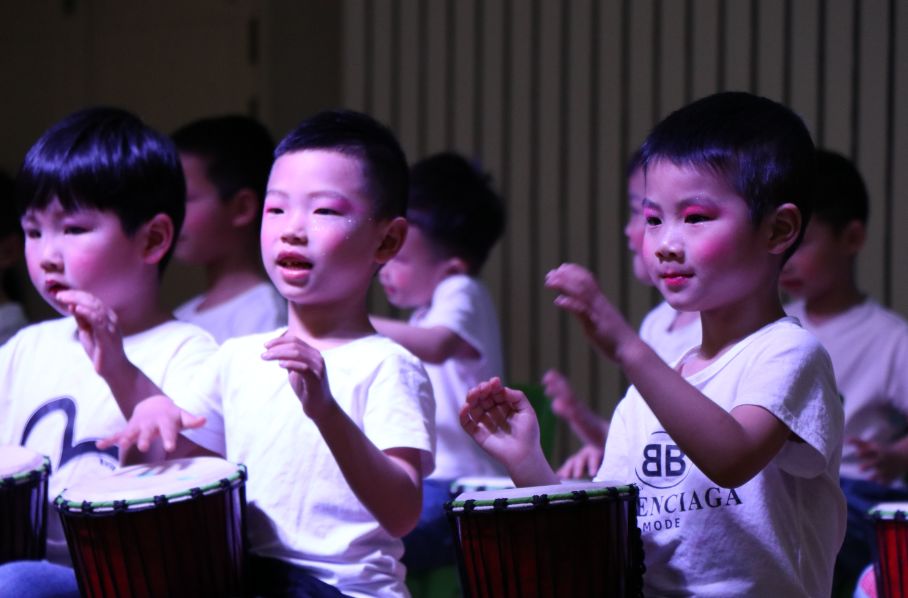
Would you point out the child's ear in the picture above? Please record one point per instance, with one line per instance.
(244, 207)
(853, 235)
(785, 224)
(456, 265)
(157, 238)
(395, 235)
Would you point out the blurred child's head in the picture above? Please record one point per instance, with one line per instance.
(226, 161)
(334, 207)
(633, 229)
(729, 186)
(99, 186)
(826, 258)
(455, 219)
(10, 239)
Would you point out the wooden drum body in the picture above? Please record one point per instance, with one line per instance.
(578, 539)
(23, 504)
(891, 549)
(175, 528)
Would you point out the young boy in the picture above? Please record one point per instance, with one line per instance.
(226, 161)
(102, 198)
(868, 345)
(455, 219)
(12, 317)
(335, 422)
(736, 448)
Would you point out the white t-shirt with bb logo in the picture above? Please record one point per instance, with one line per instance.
(776, 535)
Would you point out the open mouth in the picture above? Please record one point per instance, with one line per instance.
(52, 288)
(294, 263)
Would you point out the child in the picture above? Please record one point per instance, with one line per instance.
(335, 423)
(102, 199)
(12, 317)
(226, 161)
(669, 332)
(868, 345)
(736, 448)
(455, 219)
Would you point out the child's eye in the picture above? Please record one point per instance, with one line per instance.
(273, 210)
(327, 211)
(653, 221)
(696, 218)
(32, 233)
(73, 229)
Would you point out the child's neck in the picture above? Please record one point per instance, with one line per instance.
(142, 316)
(325, 327)
(229, 278)
(833, 302)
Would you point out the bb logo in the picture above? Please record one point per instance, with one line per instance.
(662, 463)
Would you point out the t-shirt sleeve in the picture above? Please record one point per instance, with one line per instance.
(400, 411)
(793, 379)
(456, 306)
(202, 396)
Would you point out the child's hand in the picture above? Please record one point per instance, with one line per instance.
(585, 463)
(559, 390)
(580, 295)
(155, 417)
(883, 462)
(98, 331)
(306, 368)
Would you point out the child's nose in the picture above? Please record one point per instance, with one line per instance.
(51, 260)
(295, 230)
(669, 246)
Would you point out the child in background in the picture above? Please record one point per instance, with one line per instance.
(669, 332)
(455, 219)
(737, 447)
(12, 317)
(335, 422)
(102, 199)
(868, 345)
(226, 161)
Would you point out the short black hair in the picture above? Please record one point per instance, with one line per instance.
(360, 136)
(760, 147)
(106, 159)
(237, 150)
(841, 195)
(453, 204)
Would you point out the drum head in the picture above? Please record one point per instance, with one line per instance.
(15, 460)
(142, 484)
(525, 497)
(479, 483)
(890, 510)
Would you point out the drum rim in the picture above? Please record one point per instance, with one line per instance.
(625, 491)
(105, 507)
(28, 475)
(889, 512)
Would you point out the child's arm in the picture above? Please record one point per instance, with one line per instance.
(431, 345)
(389, 482)
(502, 422)
(729, 447)
(591, 428)
(100, 335)
(886, 463)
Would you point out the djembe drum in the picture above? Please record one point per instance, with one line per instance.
(891, 549)
(572, 539)
(23, 504)
(479, 483)
(175, 528)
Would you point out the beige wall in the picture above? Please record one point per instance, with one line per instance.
(552, 96)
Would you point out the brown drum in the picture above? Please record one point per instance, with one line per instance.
(174, 528)
(23, 504)
(572, 539)
(891, 550)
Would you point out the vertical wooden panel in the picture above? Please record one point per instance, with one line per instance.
(899, 158)
(770, 46)
(838, 93)
(673, 58)
(803, 61)
(464, 83)
(736, 45)
(382, 69)
(437, 93)
(409, 75)
(707, 47)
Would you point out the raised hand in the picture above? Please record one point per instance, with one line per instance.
(885, 463)
(585, 463)
(306, 369)
(98, 330)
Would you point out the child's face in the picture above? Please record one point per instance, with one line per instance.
(633, 230)
(818, 266)
(699, 244)
(84, 250)
(411, 277)
(320, 241)
(207, 223)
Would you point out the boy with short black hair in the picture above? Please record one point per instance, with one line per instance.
(335, 422)
(226, 161)
(868, 345)
(102, 198)
(455, 219)
(737, 447)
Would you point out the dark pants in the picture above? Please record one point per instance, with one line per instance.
(273, 578)
(431, 543)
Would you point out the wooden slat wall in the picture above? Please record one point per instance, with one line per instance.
(551, 96)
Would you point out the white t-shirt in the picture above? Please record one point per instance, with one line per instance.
(776, 535)
(868, 345)
(12, 318)
(300, 507)
(463, 305)
(52, 401)
(667, 341)
(259, 309)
